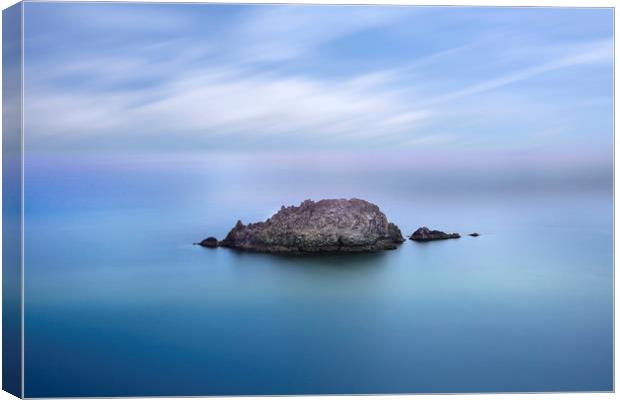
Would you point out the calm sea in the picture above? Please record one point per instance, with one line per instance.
(120, 303)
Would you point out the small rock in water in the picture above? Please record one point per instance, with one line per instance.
(424, 234)
(209, 242)
(475, 234)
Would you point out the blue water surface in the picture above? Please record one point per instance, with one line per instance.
(120, 303)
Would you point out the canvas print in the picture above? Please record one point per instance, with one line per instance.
(293, 199)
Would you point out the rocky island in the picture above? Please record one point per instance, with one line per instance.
(424, 234)
(332, 225)
(209, 242)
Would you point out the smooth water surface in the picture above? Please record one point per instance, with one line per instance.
(119, 301)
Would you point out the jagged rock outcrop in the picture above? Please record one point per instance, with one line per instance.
(334, 225)
(424, 234)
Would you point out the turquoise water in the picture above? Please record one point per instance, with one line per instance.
(119, 301)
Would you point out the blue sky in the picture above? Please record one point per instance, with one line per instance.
(432, 83)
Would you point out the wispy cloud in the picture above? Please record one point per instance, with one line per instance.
(281, 33)
(225, 102)
(354, 77)
(597, 52)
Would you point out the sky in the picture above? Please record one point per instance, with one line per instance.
(397, 85)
